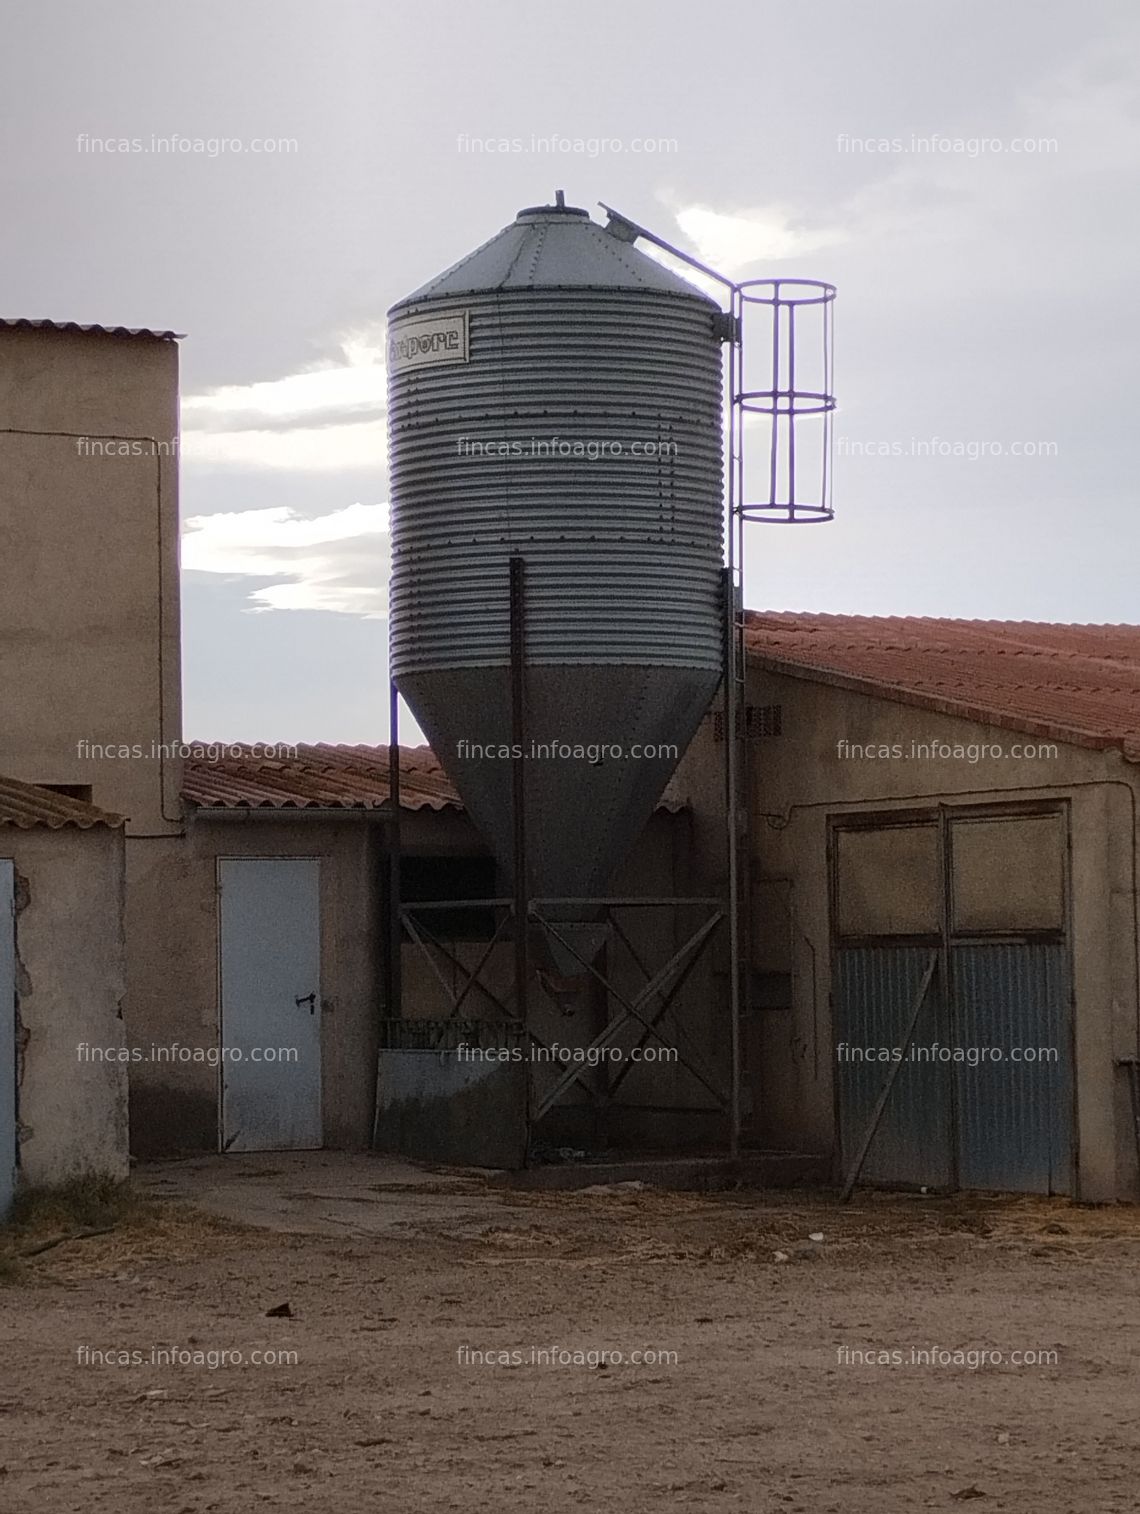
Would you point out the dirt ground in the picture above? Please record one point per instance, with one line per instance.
(396, 1278)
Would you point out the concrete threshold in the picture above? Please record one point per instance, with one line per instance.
(707, 1174)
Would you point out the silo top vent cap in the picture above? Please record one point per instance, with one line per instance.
(559, 208)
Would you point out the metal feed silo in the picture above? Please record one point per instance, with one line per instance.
(556, 395)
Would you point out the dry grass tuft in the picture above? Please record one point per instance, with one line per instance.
(95, 1225)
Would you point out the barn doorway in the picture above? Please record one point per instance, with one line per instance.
(965, 910)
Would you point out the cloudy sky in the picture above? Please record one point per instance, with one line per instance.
(966, 172)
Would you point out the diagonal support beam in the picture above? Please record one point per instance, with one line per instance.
(885, 1093)
(417, 933)
(662, 1011)
(632, 1008)
(472, 976)
(579, 1076)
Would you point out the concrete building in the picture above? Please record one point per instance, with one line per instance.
(966, 790)
(263, 997)
(89, 619)
(63, 1074)
(90, 664)
(90, 641)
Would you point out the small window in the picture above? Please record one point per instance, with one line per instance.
(889, 881)
(439, 879)
(759, 720)
(763, 720)
(1008, 874)
(81, 791)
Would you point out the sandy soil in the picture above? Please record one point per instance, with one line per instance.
(394, 1280)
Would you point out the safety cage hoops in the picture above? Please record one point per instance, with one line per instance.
(785, 487)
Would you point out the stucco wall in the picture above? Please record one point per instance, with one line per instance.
(174, 974)
(89, 624)
(72, 1103)
(803, 776)
(173, 939)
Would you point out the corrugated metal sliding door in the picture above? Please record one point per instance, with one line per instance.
(888, 901)
(1011, 1002)
(876, 990)
(7, 1037)
(984, 1093)
(269, 938)
(1014, 1117)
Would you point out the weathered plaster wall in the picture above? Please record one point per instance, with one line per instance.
(89, 621)
(72, 1081)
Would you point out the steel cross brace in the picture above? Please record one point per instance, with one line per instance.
(418, 934)
(644, 971)
(632, 1008)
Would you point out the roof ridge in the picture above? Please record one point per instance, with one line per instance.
(753, 615)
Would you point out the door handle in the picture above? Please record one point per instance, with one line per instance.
(310, 1000)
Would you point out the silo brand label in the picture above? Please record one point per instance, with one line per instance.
(433, 339)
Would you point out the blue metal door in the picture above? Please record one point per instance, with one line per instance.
(985, 1098)
(1015, 1107)
(7, 1037)
(270, 1004)
(876, 988)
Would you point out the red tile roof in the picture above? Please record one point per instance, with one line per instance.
(314, 777)
(322, 777)
(26, 805)
(1079, 684)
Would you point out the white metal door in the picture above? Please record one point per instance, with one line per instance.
(270, 1003)
(7, 1037)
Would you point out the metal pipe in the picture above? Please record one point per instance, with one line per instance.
(732, 841)
(734, 658)
(518, 805)
(395, 981)
(624, 224)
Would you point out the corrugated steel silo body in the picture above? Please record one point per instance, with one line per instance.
(557, 395)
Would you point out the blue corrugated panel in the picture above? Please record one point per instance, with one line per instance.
(1014, 1116)
(876, 989)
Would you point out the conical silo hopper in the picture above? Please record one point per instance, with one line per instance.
(557, 395)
